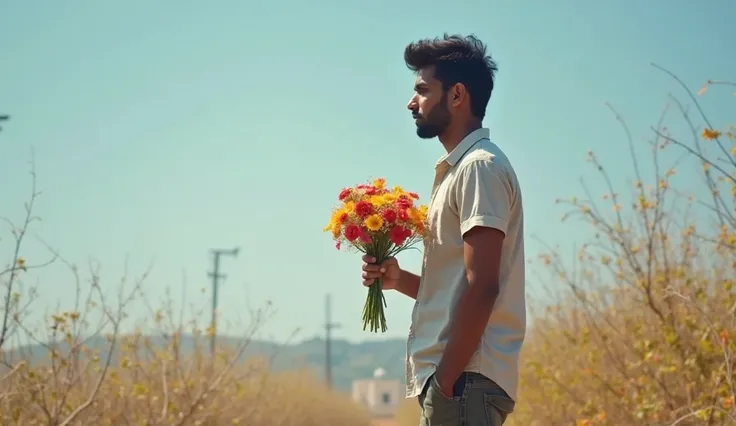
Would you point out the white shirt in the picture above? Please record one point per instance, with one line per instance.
(475, 185)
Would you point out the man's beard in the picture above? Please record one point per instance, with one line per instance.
(429, 130)
(436, 121)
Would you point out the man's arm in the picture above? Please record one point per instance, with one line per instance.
(483, 205)
(408, 284)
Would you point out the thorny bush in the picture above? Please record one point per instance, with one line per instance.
(92, 374)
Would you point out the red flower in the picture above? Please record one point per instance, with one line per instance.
(403, 202)
(353, 232)
(344, 193)
(363, 209)
(343, 217)
(403, 214)
(337, 245)
(371, 190)
(398, 235)
(414, 195)
(389, 216)
(365, 237)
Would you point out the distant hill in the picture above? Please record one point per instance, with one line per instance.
(350, 361)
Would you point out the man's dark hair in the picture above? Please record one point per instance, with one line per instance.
(456, 59)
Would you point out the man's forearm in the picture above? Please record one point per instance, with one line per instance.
(469, 321)
(408, 284)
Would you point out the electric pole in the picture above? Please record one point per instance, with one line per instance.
(329, 326)
(216, 276)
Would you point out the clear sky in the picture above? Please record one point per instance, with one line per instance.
(163, 129)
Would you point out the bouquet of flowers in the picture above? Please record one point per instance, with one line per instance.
(381, 223)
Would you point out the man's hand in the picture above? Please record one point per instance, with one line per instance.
(388, 272)
(446, 385)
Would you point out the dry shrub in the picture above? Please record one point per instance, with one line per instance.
(642, 325)
(91, 374)
(408, 412)
(642, 331)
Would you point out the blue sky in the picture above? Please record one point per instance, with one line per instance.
(164, 129)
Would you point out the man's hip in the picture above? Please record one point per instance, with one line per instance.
(476, 401)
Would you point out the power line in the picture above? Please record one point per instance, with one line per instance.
(216, 276)
(329, 326)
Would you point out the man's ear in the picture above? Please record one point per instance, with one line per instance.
(458, 93)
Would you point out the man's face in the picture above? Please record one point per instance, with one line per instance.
(428, 106)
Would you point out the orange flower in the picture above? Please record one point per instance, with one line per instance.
(710, 134)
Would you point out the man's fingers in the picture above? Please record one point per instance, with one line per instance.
(371, 271)
(369, 267)
(370, 275)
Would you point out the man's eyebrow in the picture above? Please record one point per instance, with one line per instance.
(420, 86)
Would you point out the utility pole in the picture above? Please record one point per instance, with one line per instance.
(329, 326)
(216, 276)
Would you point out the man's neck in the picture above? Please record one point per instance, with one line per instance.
(453, 136)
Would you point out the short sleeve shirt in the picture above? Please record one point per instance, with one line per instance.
(475, 185)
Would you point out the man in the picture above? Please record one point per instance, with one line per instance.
(469, 318)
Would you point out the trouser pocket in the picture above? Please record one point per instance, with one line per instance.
(439, 409)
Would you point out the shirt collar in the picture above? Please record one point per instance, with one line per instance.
(468, 141)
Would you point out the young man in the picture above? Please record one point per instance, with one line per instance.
(469, 318)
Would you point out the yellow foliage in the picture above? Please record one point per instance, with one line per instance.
(132, 381)
(641, 327)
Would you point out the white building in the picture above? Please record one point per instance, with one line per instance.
(380, 396)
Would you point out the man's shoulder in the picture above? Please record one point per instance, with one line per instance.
(486, 156)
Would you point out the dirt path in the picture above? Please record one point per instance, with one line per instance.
(384, 422)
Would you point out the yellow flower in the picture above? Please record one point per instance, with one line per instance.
(398, 190)
(379, 183)
(373, 222)
(377, 200)
(333, 220)
(349, 207)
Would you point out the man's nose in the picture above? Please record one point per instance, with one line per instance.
(412, 105)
